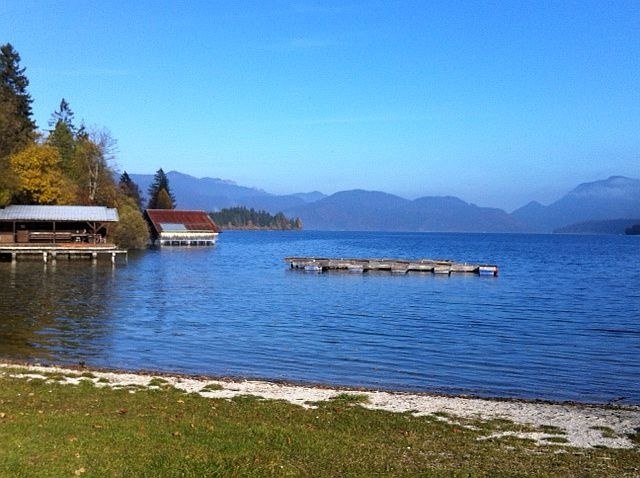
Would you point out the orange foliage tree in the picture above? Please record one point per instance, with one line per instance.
(39, 176)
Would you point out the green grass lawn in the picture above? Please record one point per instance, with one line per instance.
(52, 429)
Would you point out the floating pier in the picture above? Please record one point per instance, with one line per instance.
(394, 266)
(52, 252)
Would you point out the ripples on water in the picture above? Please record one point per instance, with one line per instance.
(560, 322)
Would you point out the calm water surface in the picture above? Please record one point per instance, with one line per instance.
(562, 321)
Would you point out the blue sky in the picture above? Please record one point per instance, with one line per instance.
(495, 102)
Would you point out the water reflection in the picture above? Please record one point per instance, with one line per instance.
(236, 309)
(56, 310)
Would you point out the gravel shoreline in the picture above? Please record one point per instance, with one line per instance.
(582, 425)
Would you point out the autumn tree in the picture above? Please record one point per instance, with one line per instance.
(71, 167)
(131, 231)
(39, 177)
(160, 183)
(91, 169)
(85, 157)
(163, 200)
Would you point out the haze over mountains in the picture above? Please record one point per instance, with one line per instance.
(615, 198)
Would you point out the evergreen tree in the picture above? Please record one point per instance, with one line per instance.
(72, 167)
(17, 129)
(63, 135)
(160, 182)
(243, 218)
(130, 189)
(8, 181)
(63, 115)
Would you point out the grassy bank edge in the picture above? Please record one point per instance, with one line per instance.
(584, 425)
(63, 422)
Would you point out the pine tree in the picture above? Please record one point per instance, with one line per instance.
(244, 218)
(63, 135)
(17, 129)
(63, 115)
(160, 182)
(130, 189)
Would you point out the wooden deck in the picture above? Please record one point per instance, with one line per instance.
(52, 252)
(394, 266)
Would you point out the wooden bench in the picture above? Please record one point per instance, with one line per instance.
(45, 236)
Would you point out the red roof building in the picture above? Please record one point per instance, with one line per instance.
(174, 227)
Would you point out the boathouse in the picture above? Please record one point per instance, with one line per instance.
(56, 224)
(175, 227)
(54, 231)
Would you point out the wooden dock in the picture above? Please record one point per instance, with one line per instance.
(52, 252)
(394, 266)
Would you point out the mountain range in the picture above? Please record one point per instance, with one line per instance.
(615, 198)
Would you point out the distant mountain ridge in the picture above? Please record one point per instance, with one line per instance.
(608, 226)
(376, 211)
(213, 194)
(615, 198)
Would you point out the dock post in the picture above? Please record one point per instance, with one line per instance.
(14, 257)
(113, 257)
(44, 257)
(53, 256)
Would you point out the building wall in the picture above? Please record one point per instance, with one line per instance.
(186, 239)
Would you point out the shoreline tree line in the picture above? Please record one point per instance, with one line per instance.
(68, 164)
(244, 218)
(71, 164)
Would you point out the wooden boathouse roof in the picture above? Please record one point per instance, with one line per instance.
(58, 213)
(172, 220)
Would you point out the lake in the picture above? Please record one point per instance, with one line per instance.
(560, 322)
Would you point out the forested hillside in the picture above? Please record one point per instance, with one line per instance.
(244, 218)
(68, 164)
